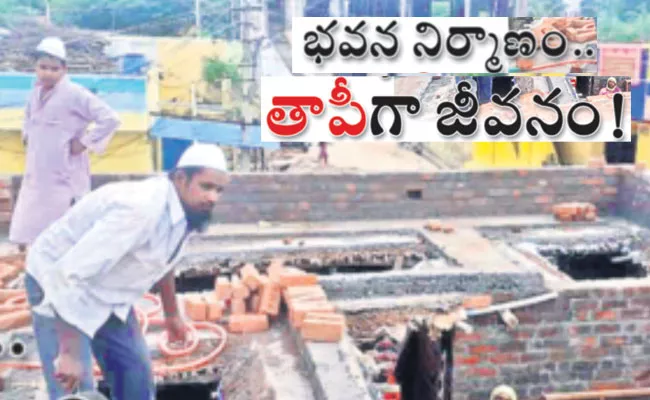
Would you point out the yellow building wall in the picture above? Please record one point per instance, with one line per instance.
(181, 63)
(130, 150)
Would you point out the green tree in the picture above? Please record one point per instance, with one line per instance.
(137, 17)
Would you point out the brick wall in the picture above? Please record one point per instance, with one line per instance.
(306, 197)
(6, 202)
(586, 339)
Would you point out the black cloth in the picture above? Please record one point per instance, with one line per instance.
(418, 367)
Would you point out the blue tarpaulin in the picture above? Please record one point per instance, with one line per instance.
(225, 134)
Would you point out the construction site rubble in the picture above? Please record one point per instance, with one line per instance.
(85, 49)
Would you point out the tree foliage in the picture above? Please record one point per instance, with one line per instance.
(621, 21)
(137, 17)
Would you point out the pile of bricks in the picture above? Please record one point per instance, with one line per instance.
(575, 212)
(6, 203)
(437, 226)
(252, 300)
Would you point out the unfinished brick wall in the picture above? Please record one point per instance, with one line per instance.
(586, 339)
(318, 197)
(6, 202)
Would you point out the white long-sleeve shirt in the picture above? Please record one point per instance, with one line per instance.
(108, 251)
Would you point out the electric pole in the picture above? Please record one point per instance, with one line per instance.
(252, 22)
(197, 17)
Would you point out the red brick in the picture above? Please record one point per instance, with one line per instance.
(270, 298)
(483, 349)
(609, 386)
(195, 307)
(301, 309)
(483, 372)
(586, 305)
(223, 288)
(477, 302)
(593, 181)
(237, 306)
(606, 315)
(250, 276)
(276, 268)
(297, 277)
(470, 360)
(609, 191)
(593, 353)
(548, 332)
(558, 356)
(634, 313)
(522, 335)
(583, 315)
(468, 337)
(613, 341)
(322, 328)
(608, 328)
(214, 306)
(533, 357)
(516, 193)
(543, 199)
(302, 293)
(591, 341)
(505, 359)
(640, 302)
(239, 290)
(248, 323)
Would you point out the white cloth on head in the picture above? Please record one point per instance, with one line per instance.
(203, 156)
(504, 391)
(53, 46)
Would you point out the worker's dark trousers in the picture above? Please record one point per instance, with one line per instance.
(120, 350)
(621, 152)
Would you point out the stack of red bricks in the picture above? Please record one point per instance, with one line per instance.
(6, 203)
(253, 299)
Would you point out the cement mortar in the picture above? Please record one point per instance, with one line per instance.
(407, 283)
(333, 369)
(260, 247)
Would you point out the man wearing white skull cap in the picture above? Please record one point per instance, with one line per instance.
(58, 143)
(85, 272)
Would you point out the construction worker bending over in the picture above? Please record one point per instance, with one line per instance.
(57, 170)
(85, 272)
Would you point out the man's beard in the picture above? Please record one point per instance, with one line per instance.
(198, 220)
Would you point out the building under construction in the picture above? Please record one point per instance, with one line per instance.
(536, 278)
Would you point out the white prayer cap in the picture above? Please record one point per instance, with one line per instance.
(52, 46)
(203, 156)
(504, 391)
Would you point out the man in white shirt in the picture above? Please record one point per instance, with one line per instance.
(85, 272)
